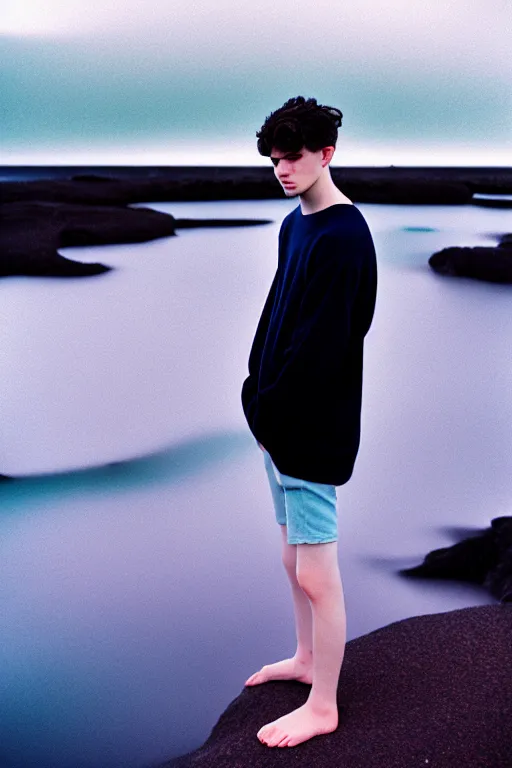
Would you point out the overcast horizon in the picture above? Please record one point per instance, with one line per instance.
(89, 84)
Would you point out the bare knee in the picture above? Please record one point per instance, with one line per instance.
(318, 585)
(317, 569)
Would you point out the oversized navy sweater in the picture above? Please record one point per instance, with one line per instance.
(302, 398)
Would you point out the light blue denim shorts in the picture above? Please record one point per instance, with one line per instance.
(307, 509)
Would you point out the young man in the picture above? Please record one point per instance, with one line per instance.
(302, 398)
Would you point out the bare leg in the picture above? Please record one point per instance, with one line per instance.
(319, 576)
(299, 666)
(301, 604)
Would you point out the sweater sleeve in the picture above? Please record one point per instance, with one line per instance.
(250, 385)
(321, 333)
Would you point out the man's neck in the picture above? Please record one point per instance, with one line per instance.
(308, 207)
(320, 195)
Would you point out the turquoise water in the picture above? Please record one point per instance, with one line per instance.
(141, 573)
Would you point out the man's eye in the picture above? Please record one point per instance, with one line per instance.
(276, 160)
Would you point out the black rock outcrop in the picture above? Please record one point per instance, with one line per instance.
(493, 264)
(32, 231)
(432, 691)
(484, 559)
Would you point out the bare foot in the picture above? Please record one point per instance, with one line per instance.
(298, 726)
(288, 669)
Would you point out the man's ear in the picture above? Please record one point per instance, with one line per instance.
(327, 153)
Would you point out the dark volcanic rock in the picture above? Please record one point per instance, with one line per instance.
(484, 559)
(110, 185)
(432, 691)
(255, 184)
(492, 203)
(87, 189)
(418, 192)
(493, 264)
(92, 177)
(32, 231)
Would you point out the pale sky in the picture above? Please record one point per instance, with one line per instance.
(190, 83)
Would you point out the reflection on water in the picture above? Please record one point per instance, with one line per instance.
(139, 552)
(419, 229)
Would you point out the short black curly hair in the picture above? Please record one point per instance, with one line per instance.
(299, 123)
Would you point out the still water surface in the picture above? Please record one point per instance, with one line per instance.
(141, 580)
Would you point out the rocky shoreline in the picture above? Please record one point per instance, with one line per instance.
(32, 231)
(427, 690)
(119, 186)
(40, 216)
(432, 690)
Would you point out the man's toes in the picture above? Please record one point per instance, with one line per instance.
(277, 737)
(265, 733)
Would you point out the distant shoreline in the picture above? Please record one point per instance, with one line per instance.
(499, 177)
(39, 216)
(122, 185)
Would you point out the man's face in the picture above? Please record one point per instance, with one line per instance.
(299, 169)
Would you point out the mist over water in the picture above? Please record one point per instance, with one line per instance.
(141, 573)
